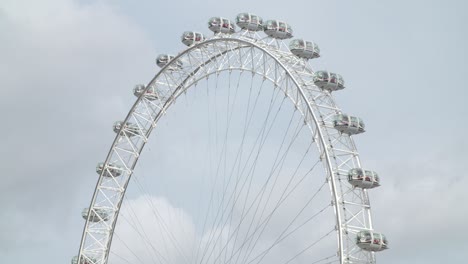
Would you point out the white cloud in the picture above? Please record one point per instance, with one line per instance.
(153, 229)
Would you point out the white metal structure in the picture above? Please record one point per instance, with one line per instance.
(270, 59)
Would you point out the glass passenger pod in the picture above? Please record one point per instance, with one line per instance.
(249, 22)
(129, 129)
(364, 179)
(150, 93)
(221, 25)
(190, 38)
(304, 49)
(83, 260)
(348, 124)
(328, 80)
(163, 59)
(277, 29)
(371, 241)
(111, 171)
(97, 215)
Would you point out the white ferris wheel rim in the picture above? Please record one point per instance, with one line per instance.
(287, 64)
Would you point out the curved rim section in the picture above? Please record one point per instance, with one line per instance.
(293, 76)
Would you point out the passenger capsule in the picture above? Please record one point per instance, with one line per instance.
(112, 170)
(348, 124)
(129, 129)
(150, 93)
(83, 260)
(163, 59)
(97, 215)
(249, 22)
(304, 49)
(363, 178)
(221, 25)
(189, 38)
(277, 29)
(371, 241)
(328, 80)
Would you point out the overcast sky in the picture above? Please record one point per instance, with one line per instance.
(67, 69)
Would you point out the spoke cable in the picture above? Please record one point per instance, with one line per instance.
(262, 135)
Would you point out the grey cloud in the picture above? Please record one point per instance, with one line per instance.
(67, 70)
(58, 58)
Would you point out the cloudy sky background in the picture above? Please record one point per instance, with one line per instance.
(67, 69)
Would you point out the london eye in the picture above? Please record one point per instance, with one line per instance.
(277, 177)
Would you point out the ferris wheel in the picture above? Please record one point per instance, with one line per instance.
(283, 182)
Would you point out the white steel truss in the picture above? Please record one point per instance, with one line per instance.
(238, 52)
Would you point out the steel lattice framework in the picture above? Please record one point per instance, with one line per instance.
(267, 57)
